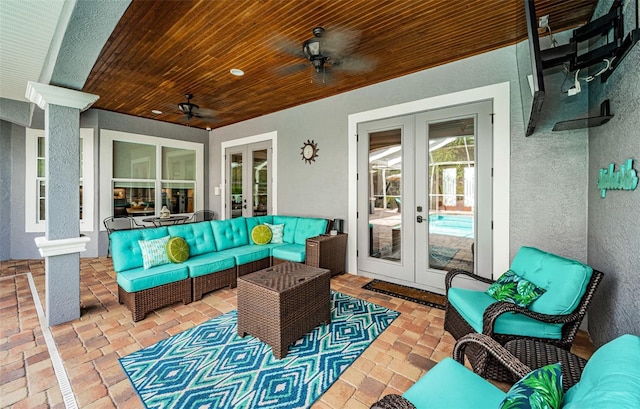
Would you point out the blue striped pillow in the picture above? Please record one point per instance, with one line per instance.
(154, 252)
(277, 232)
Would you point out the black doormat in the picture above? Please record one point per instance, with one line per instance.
(423, 297)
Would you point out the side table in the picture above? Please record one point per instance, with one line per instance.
(327, 251)
(280, 304)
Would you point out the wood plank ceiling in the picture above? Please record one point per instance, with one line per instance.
(161, 50)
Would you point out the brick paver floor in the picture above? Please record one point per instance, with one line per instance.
(90, 346)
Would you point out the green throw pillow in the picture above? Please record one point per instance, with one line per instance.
(154, 252)
(277, 232)
(177, 250)
(513, 288)
(261, 234)
(540, 389)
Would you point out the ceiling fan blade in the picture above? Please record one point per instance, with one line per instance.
(354, 64)
(286, 46)
(336, 43)
(292, 69)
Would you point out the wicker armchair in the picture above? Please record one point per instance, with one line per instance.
(486, 365)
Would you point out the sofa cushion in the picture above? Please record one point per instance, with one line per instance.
(539, 389)
(290, 252)
(565, 280)
(277, 232)
(450, 385)
(139, 279)
(230, 233)
(125, 249)
(471, 305)
(198, 236)
(247, 254)
(209, 263)
(290, 223)
(611, 378)
(512, 288)
(309, 227)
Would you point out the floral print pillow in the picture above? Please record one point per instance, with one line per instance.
(540, 389)
(513, 288)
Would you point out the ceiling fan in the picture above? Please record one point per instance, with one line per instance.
(329, 51)
(191, 110)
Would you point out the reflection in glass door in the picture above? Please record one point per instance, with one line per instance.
(249, 182)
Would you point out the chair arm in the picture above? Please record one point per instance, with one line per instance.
(448, 279)
(393, 402)
(492, 347)
(494, 310)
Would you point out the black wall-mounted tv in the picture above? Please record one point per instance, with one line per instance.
(530, 71)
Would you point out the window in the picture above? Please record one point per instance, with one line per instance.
(35, 179)
(145, 173)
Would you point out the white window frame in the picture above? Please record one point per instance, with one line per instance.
(107, 137)
(32, 224)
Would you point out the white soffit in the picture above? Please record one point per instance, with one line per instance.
(26, 31)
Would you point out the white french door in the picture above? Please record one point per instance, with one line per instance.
(424, 195)
(248, 184)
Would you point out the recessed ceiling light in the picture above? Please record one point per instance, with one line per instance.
(237, 72)
(156, 111)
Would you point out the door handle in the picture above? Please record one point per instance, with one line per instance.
(419, 219)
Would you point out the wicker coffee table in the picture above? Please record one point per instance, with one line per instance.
(280, 304)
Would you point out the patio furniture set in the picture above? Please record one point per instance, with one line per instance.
(526, 340)
(219, 252)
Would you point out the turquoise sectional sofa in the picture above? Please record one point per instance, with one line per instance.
(219, 252)
(610, 379)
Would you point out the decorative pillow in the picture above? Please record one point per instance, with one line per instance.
(261, 234)
(177, 250)
(513, 288)
(541, 388)
(277, 232)
(154, 252)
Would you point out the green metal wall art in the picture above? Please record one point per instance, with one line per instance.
(624, 179)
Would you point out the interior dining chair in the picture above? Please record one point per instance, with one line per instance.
(114, 223)
(201, 216)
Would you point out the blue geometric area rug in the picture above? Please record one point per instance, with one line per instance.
(210, 366)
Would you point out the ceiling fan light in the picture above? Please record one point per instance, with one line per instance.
(312, 48)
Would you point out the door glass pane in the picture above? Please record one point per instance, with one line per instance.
(260, 178)
(451, 184)
(236, 185)
(385, 194)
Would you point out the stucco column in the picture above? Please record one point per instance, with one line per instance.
(62, 243)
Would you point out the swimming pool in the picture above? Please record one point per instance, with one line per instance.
(451, 225)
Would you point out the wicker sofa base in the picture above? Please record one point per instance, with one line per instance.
(142, 302)
(214, 281)
(253, 266)
(483, 364)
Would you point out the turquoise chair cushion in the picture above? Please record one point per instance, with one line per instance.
(198, 236)
(309, 227)
(565, 280)
(230, 233)
(451, 385)
(291, 252)
(125, 249)
(254, 221)
(290, 223)
(247, 254)
(209, 263)
(471, 305)
(611, 378)
(138, 279)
